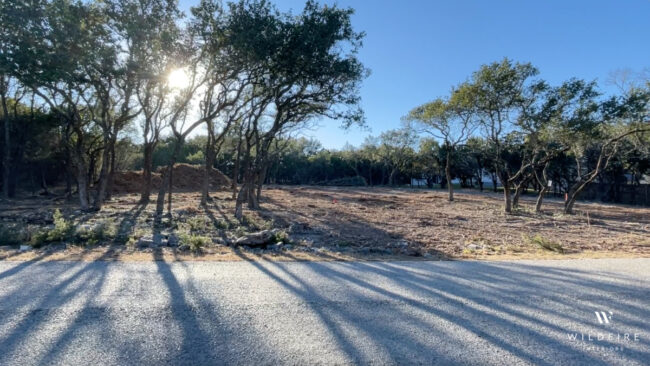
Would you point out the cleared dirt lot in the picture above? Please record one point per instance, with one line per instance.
(352, 223)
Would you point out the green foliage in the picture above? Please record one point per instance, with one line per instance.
(195, 243)
(254, 223)
(99, 232)
(281, 236)
(12, 234)
(198, 223)
(62, 229)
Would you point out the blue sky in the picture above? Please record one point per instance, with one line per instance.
(417, 50)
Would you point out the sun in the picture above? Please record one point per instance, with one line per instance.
(178, 79)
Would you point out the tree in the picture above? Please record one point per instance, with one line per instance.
(499, 94)
(51, 54)
(300, 72)
(452, 121)
(602, 127)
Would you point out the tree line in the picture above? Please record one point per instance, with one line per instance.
(94, 69)
(87, 89)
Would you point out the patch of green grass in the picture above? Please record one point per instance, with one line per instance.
(544, 243)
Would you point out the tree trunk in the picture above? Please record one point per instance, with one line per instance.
(241, 197)
(518, 190)
(572, 195)
(450, 187)
(82, 185)
(235, 172)
(507, 194)
(103, 175)
(209, 162)
(147, 167)
(540, 198)
(111, 172)
(6, 159)
(166, 183)
(391, 177)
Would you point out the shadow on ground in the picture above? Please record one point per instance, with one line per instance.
(303, 313)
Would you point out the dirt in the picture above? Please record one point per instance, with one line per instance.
(328, 223)
(184, 177)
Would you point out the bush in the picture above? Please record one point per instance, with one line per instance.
(12, 234)
(194, 243)
(197, 223)
(100, 232)
(281, 237)
(62, 231)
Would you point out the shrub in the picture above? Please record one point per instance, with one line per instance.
(12, 234)
(222, 224)
(281, 237)
(194, 243)
(254, 223)
(197, 223)
(100, 232)
(62, 231)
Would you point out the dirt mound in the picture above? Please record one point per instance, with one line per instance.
(185, 177)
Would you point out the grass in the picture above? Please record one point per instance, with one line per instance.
(544, 243)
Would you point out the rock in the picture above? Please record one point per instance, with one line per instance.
(25, 248)
(150, 241)
(5, 247)
(260, 238)
(474, 247)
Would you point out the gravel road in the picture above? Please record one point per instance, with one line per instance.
(254, 313)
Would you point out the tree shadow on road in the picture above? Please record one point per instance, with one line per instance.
(531, 331)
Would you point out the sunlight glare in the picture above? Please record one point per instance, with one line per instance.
(178, 79)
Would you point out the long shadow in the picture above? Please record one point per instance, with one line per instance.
(60, 294)
(128, 223)
(23, 265)
(196, 344)
(346, 343)
(506, 319)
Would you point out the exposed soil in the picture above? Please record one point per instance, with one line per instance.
(184, 177)
(327, 223)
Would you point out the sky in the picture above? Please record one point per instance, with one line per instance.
(418, 49)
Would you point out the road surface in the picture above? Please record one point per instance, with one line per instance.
(255, 313)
